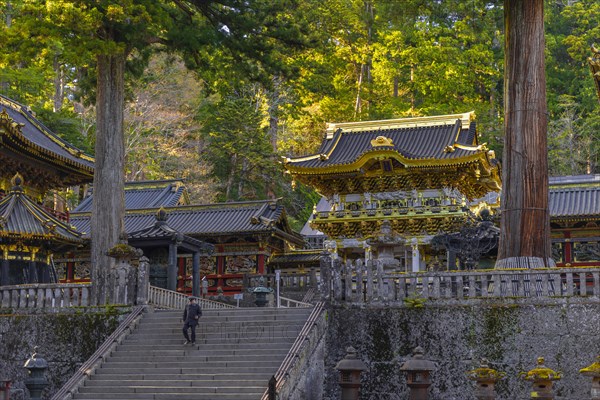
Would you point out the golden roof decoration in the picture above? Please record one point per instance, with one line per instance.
(411, 122)
(381, 141)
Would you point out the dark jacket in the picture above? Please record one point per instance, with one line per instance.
(192, 313)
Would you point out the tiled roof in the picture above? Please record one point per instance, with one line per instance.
(210, 219)
(574, 196)
(446, 140)
(579, 180)
(298, 258)
(574, 202)
(160, 230)
(37, 136)
(146, 194)
(22, 217)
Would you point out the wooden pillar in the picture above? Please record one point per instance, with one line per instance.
(33, 275)
(70, 272)
(172, 268)
(196, 274)
(4, 281)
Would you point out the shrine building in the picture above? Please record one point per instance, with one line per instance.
(390, 186)
(34, 163)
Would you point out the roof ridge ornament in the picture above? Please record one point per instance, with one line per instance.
(17, 182)
(380, 141)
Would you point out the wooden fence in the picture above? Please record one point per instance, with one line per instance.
(363, 285)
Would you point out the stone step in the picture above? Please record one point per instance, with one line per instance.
(169, 396)
(198, 370)
(227, 377)
(199, 358)
(122, 389)
(178, 340)
(114, 363)
(133, 350)
(114, 385)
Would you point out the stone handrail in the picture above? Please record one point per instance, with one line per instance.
(291, 369)
(89, 367)
(164, 298)
(291, 303)
(363, 285)
(45, 295)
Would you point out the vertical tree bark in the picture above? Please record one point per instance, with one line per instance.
(108, 207)
(59, 85)
(525, 235)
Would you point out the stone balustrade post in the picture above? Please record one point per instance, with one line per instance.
(143, 281)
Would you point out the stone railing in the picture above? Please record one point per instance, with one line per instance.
(45, 295)
(286, 281)
(364, 284)
(291, 303)
(294, 365)
(164, 298)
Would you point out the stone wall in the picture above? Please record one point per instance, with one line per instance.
(509, 333)
(65, 341)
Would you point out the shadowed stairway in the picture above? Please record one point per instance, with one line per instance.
(236, 352)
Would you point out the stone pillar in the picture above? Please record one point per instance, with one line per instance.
(593, 371)
(416, 256)
(172, 268)
(143, 281)
(485, 379)
(542, 379)
(196, 274)
(121, 275)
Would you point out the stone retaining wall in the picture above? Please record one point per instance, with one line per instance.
(509, 333)
(65, 341)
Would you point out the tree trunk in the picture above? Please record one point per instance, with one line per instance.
(59, 85)
(525, 235)
(108, 207)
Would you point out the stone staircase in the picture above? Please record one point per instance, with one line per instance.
(236, 353)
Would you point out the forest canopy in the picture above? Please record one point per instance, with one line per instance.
(199, 106)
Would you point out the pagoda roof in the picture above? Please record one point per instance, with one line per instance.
(147, 194)
(161, 232)
(24, 136)
(594, 61)
(211, 220)
(416, 142)
(22, 218)
(574, 197)
(400, 154)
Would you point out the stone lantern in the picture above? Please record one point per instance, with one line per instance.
(418, 374)
(485, 379)
(260, 293)
(542, 378)
(593, 371)
(37, 382)
(350, 368)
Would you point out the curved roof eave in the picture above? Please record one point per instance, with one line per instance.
(477, 155)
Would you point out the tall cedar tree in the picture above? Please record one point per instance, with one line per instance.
(525, 220)
(120, 35)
